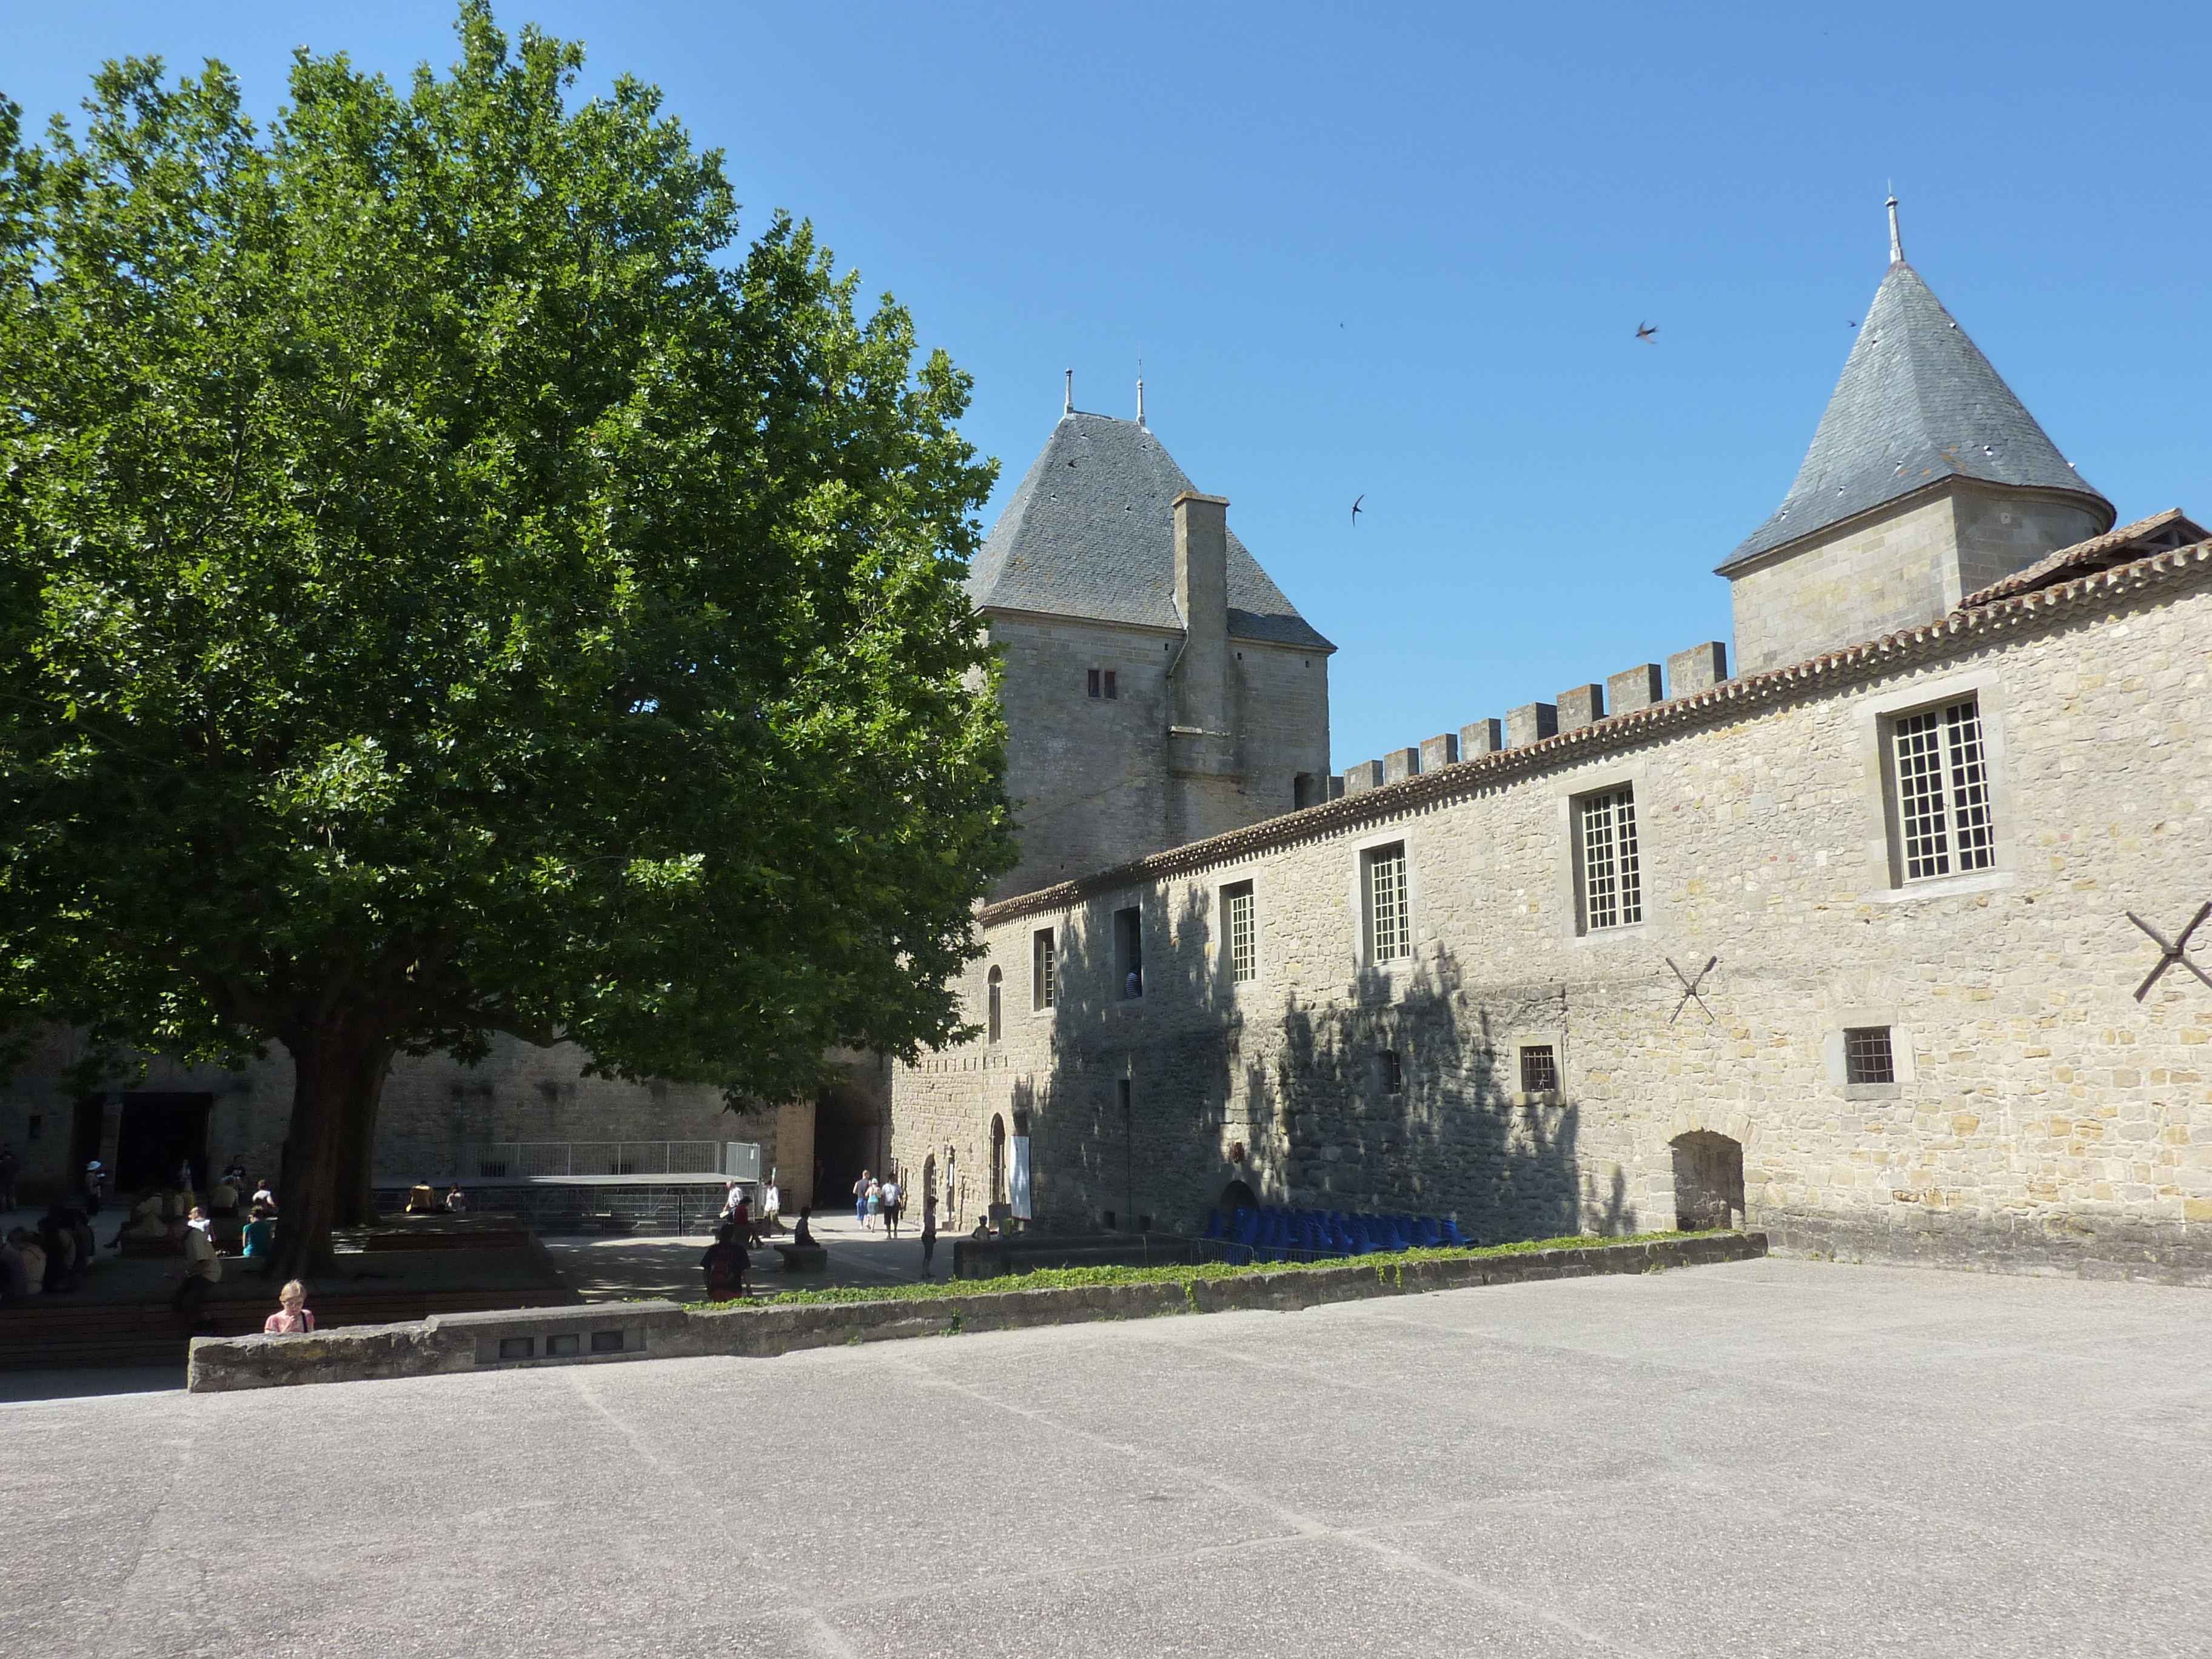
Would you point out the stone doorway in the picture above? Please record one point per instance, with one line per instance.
(1708, 1181)
(159, 1133)
(1238, 1196)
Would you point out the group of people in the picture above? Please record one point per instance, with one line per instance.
(49, 1259)
(875, 1200)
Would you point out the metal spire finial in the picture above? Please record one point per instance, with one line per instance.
(1069, 407)
(1140, 392)
(1896, 242)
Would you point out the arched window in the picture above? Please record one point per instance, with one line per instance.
(992, 1016)
(998, 1159)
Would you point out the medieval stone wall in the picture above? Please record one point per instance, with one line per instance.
(2040, 1116)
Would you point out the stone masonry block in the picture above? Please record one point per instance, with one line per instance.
(1529, 722)
(1440, 751)
(1368, 774)
(1634, 688)
(1698, 669)
(1580, 705)
(1481, 738)
(1400, 764)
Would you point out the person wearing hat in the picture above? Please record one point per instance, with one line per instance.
(96, 1185)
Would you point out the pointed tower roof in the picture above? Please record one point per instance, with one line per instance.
(1091, 533)
(1917, 404)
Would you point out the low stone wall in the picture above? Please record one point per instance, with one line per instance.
(466, 1342)
(2077, 1246)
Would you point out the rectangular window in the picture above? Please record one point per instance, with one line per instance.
(1113, 686)
(1044, 990)
(1539, 1069)
(1942, 778)
(1393, 1074)
(1867, 1058)
(1129, 951)
(1390, 923)
(1239, 920)
(1613, 882)
(1093, 682)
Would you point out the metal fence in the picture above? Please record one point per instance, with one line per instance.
(512, 1160)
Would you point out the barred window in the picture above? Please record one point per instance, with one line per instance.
(1043, 980)
(1394, 1074)
(1389, 926)
(1944, 818)
(1539, 1069)
(1243, 934)
(1866, 1057)
(1612, 885)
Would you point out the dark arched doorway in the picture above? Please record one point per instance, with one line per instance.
(1238, 1196)
(850, 1135)
(998, 1159)
(1708, 1181)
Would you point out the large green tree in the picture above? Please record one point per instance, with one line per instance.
(449, 585)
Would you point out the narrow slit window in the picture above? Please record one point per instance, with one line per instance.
(1390, 925)
(1243, 933)
(1612, 880)
(1944, 822)
(1113, 686)
(1394, 1074)
(1092, 684)
(1043, 976)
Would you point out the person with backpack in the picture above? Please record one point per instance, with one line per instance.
(724, 1265)
(892, 1204)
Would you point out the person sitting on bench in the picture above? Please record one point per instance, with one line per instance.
(802, 1235)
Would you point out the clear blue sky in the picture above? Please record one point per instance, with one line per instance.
(1403, 251)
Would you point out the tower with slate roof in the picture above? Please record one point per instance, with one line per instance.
(1158, 688)
(1927, 481)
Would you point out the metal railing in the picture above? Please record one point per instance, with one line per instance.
(520, 1159)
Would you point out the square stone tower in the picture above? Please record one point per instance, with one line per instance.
(1158, 688)
(1927, 481)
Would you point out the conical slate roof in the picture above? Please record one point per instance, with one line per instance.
(1091, 533)
(1918, 402)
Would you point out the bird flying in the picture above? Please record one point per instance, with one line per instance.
(1355, 509)
(1645, 330)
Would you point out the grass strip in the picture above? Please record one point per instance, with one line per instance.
(1186, 1272)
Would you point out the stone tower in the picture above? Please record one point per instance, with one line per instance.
(1158, 688)
(1927, 480)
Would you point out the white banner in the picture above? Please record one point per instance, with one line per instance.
(1017, 1181)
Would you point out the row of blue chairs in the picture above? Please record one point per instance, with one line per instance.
(1274, 1234)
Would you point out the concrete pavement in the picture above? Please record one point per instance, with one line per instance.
(1772, 1457)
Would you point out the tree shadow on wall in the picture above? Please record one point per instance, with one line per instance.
(1398, 1097)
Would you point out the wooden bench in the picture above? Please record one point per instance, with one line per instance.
(799, 1258)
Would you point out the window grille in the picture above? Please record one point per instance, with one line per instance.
(1393, 1074)
(1389, 926)
(1539, 1069)
(1092, 684)
(1045, 979)
(1943, 815)
(1243, 935)
(1613, 883)
(1866, 1057)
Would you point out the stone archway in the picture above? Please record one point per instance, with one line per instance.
(1708, 1181)
(998, 1159)
(1238, 1196)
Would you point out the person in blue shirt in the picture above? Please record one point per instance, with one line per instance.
(259, 1237)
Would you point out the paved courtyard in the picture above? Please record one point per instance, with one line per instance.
(1772, 1457)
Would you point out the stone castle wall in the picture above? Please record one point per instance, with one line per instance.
(2041, 1116)
(1090, 777)
(1900, 569)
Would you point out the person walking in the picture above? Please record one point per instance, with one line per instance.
(892, 1197)
(874, 1202)
(860, 1199)
(203, 1272)
(928, 1236)
(292, 1317)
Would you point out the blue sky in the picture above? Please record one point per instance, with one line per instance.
(1403, 251)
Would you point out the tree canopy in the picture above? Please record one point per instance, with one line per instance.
(449, 585)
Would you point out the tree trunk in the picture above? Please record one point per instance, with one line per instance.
(354, 1206)
(338, 1076)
